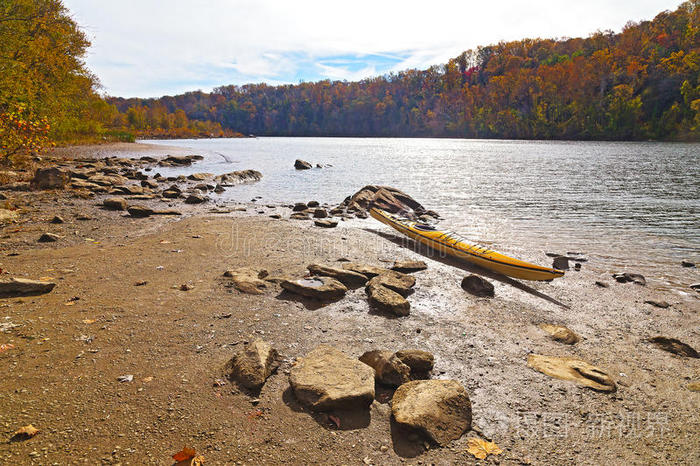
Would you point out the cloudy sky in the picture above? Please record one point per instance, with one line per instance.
(148, 48)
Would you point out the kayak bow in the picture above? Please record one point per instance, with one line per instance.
(451, 244)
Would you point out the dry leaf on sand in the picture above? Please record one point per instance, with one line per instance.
(26, 432)
(184, 454)
(481, 448)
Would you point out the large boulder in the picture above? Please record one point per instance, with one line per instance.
(388, 300)
(438, 408)
(386, 198)
(252, 364)
(327, 378)
(321, 288)
(302, 165)
(395, 281)
(50, 178)
(346, 277)
(388, 369)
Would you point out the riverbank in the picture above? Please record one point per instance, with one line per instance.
(102, 321)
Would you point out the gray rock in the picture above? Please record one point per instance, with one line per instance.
(438, 408)
(24, 287)
(601, 284)
(346, 277)
(478, 286)
(302, 165)
(630, 278)
(661, 304)
(328, 379)
(388, 300)
(252, 364)
(561, 263)
(115, 203)
(322, 288)
(388, 368)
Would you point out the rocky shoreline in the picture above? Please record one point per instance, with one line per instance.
(255, 338)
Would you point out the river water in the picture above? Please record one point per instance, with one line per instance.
(625, 204)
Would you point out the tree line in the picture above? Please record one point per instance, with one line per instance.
(640, 83)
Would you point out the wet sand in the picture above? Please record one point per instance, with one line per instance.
(61, 376)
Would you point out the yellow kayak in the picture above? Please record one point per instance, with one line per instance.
(449, 243)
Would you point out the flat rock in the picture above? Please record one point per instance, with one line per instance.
(139, 211)
(388, 369)
(675, 346)
(299, 216)
(661, 304)
(346, 277)
(561, 334)
(200, 176)
(573, 370)
(252, 364)
(326, 223)
(409, 266)
(478, 286)
(627, 277)
(248, 280)
(327, 378)
(166, 212)
(419, 361)
(322, 288)
(369, 271)
(48, 238)
(115, 203)
(299, 207)
(302, 164)
(438, 408)
(24, 287)
(388, 300)
(395, 281)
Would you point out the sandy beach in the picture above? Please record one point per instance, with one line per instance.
(147, 297)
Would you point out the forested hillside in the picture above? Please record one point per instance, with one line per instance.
(640, 83)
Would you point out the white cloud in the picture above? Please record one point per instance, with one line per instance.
(147, 47)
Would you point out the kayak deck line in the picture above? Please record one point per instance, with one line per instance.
(453, 244)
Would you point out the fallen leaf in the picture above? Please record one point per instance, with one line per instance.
(184, 454)
(165, 241)
(335, 419)
(255, 414)
(147, 379)
(125, 378)
(6, 346)
(89, 321)
(69, 303)
(26, 432)
(481, 448)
